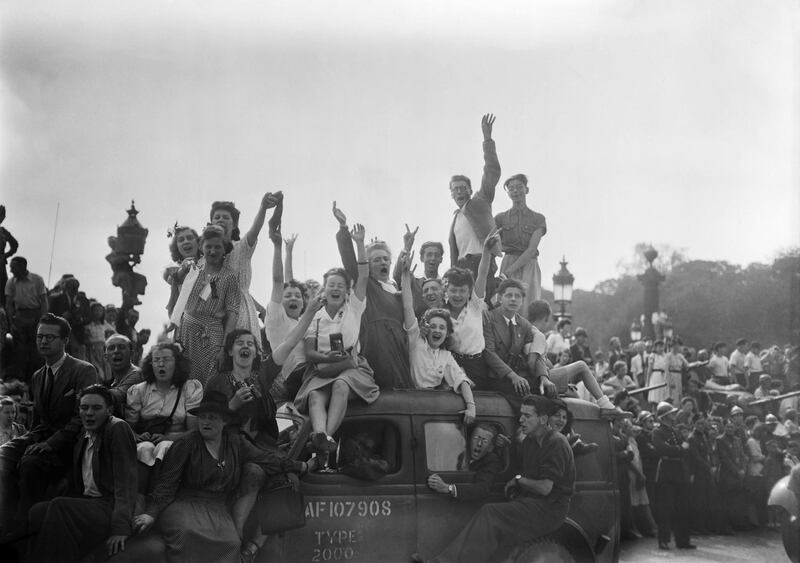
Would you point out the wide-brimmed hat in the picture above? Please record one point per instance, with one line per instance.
(664, 408)
(213, 401)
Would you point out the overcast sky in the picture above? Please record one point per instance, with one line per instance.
(667, 122)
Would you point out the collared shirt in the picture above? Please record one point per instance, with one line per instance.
(753, 363)
(550, 458)
(737, 363)
(145, 401)
(718, 365)
(539, 343)
(556, 344)
(466, 239)
(432, 367)
(467, 338)
(278, 327)
(347, 320)
(517, 227)
(89, 485)
(55, 367)
(26, 293)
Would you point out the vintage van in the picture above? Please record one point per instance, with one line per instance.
(419, 432)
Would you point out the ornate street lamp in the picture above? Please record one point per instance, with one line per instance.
(562, 288)
(126, 250)
(636, 331)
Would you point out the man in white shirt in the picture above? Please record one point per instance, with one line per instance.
(737, 364)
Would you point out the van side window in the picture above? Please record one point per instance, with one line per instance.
(368, 449)
(444, 443)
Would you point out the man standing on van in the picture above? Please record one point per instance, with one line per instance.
(538, 497)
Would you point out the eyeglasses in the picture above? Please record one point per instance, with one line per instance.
(46, 337)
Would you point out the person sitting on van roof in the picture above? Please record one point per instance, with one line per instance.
(481, 458)
(538, 497)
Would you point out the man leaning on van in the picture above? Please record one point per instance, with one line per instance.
(538, 498)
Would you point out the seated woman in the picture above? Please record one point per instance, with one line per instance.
(432, 364)
(338, 372)
(208, 306)
(184, 249)
(561, 421)
(157, 408)
(189, 504)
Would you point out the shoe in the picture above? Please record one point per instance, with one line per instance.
(686, 546)
(248, 553)
(323, 443)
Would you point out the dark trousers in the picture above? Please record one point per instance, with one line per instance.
(701, 502)
(476, 369)
(673, 512)
(69, 528)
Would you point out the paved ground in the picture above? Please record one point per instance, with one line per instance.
(763, 546)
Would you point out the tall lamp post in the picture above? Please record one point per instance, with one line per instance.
(636, 331)
(562, 288)
(650, 279)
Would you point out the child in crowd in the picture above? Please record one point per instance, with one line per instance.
(9, 428)
(432, 364)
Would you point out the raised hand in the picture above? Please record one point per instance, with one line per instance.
(290, 242)
(408, 237)
(358, 233)
(491, 239)
(486, 126)
(340, 216)
(317, 303)
(275, 237)
(271, 199)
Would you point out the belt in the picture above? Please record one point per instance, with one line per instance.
(467, 356)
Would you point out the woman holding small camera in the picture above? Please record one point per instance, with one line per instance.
(338, 373)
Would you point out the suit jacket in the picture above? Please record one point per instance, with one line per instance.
(671, 465)
(486, 469)
(114, 469)
(501, 353)
(478, 210)
(57, 420)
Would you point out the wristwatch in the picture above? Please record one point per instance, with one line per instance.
(451, 490)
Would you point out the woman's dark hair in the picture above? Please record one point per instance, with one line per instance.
(215, 231)
(93, 304)
(174, 253)
(303, 291)
(226, 363)
(182, 364)
(341, 272)
(230, 208)
(442, 314)
(562, 323)
(458, 277)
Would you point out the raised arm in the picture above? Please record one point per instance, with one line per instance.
(486, 257)
(289, 275)
(277, 267)
(491, 165)
(403, 262)
(360, 288)
(267, 201)
(345, 244)
(408, 243)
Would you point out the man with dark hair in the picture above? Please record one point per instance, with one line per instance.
(41, 456)
(6, 239)
(558, 341)
(430, 254)
(103, 488)
(473, 220)
(26, 302)
(481, 458)
(737, 363)
(580, 349)
(73, 305)
(509, 336)
(538, 496)
(118, 353)
(718, 364)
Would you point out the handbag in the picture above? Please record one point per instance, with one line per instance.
(280, 507)
(158, 424)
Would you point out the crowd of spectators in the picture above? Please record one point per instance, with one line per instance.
(75, 378)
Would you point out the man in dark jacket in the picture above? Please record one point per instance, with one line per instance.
(72, 305)
(104, 484)
(672, 480)
(480, 458)
(41, 456)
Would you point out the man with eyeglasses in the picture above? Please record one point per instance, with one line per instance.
(31, 463)
(473, 220)
(118, 353)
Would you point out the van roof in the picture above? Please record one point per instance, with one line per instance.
(432, 401)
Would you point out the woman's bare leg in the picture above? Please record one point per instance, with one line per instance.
(340, 395)
(317, 409)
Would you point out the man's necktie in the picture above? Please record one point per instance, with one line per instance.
(48, 385)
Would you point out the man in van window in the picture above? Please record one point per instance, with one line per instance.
(538, 497)
(481, 458)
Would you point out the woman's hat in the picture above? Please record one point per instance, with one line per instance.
(213, 401)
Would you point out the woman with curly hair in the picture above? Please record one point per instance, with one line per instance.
(156, 409)
(208, 305)
(184, 249)
(432, 364)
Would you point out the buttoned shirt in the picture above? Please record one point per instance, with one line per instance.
(718, 365)
(467, 338)
(466, 239)
(27, 292)
(56, 366)
(347, 321)
(89, 485)
(431, 367)
(737, 363)
(517, 227)
(278, 327)
(753, 363)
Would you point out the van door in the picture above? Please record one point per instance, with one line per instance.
(441, 443)
(366, 515)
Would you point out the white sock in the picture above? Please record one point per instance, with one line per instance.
(605, 403)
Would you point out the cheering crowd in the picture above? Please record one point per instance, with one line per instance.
(167, 452)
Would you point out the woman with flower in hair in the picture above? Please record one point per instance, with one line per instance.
(184, 248)
(208, 305)
(238, 260)
(432, 364)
